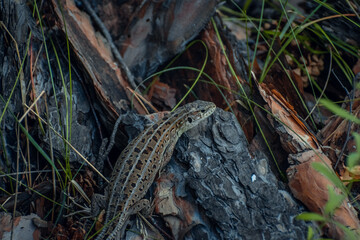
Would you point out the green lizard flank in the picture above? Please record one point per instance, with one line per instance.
(139, 163)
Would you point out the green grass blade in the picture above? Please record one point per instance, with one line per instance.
(329, 174)
(339, 111)
(334, 201)
(307, 216)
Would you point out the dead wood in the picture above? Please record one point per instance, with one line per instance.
(307, 184)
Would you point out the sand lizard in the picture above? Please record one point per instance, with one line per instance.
(139, 163)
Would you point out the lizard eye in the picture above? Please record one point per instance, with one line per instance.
(203, 110)
(190, 120)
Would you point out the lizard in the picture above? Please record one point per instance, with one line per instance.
(140, 162)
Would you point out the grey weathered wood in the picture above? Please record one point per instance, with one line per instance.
(237, 194)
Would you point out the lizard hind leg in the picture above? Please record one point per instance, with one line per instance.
(119, 230)
(143, 208)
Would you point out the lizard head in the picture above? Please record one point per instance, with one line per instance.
(191, 114)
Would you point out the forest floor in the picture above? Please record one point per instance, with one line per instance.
(278, 159)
